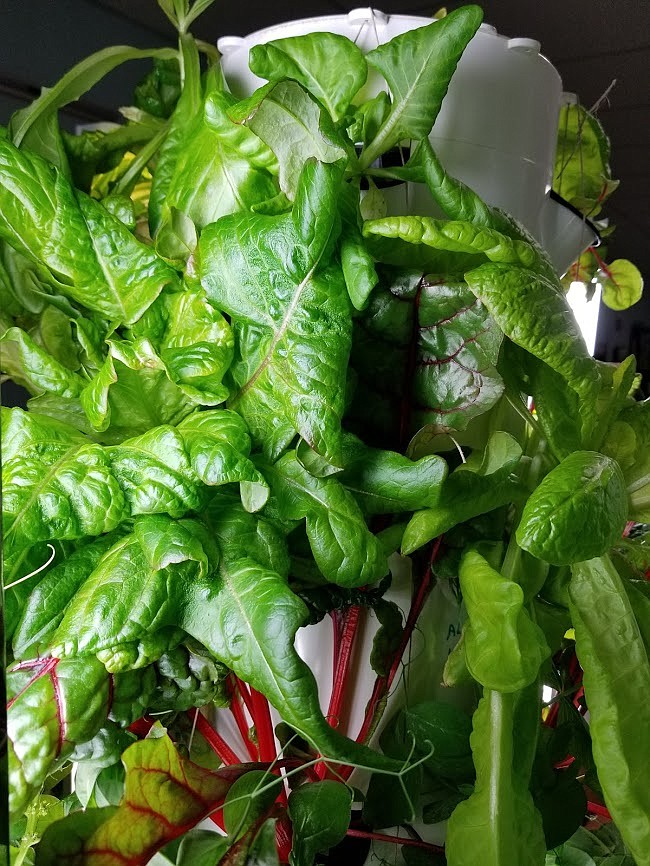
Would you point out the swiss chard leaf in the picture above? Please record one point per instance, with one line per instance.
(418, 66)
(274, 275)
(587, 491)
(164, 796)
(616, 670)
(331, 67)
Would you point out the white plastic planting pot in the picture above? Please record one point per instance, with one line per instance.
(496, 129)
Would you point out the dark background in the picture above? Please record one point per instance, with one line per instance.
(591, 43)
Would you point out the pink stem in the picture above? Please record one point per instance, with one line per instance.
(396, 840)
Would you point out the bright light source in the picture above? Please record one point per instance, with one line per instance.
(548, 694)
(586, 312)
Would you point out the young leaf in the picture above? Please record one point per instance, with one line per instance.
(286, 118)
(164, 796)
(331, 67)
(616, 670)
(628, 442)
(275, 277)
(418, 66)
(577, 512)
(498, 824)
(622, 284)
(479, 485)
(504, 648)
(346, 552)
(320, 814)
(357, 263)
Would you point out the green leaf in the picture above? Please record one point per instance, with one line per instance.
(498, 824)
(582, 174)
(622, 284)
(249, 799)
(577, 512)
(286, 118)
(331, 67)
(418, 66)
(90, 256)
(56, 484)
(614, 656)
(159, 90)
(628, 442)
(504, 648)
(346, 552)
(164, 796)
(275, 277)
(385, 482)
(532, 311)
(320, 814)
(201, 848)
(137, 589)
(76, 82)
(222, 168)
(478, 486)
(48, 600)
(357, 263)
(35, 368)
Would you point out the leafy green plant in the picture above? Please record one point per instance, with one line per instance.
(250, 408)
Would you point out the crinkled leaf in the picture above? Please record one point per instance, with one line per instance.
(504, 648)
(418, 66)
(275, 277)
(498, 824)
(320, 815)
(56, 484)
(90, 256)
(346, 552)
(331, 67)
(479, 485)
(532, 311)
(286, 118)
(158, 92)
(222, 168)
(614, 656)
(138, 587)
(622, 284)
(577, 512)
(33, 367)
(132, 392)
(49, 598)
(582, 174)
(165, 795)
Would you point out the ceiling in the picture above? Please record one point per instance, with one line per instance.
(591, 43)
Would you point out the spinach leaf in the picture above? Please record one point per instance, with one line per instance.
(577, 512)
(329, 66)
(628, 442)
(275, 276)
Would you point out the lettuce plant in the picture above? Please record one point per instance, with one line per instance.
(248, 404)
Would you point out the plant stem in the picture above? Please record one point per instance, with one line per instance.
(347, 629)
(384, 683)
(238, 715)
(216, 742)
(396, 840)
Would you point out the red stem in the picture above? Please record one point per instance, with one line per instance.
(597, 809)
(263, 726)
(396, 840)
(601, 264)
(242, 724)
(283, 838)
(217, 743)
(242, 688)
(347, 630)
(383, 683)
